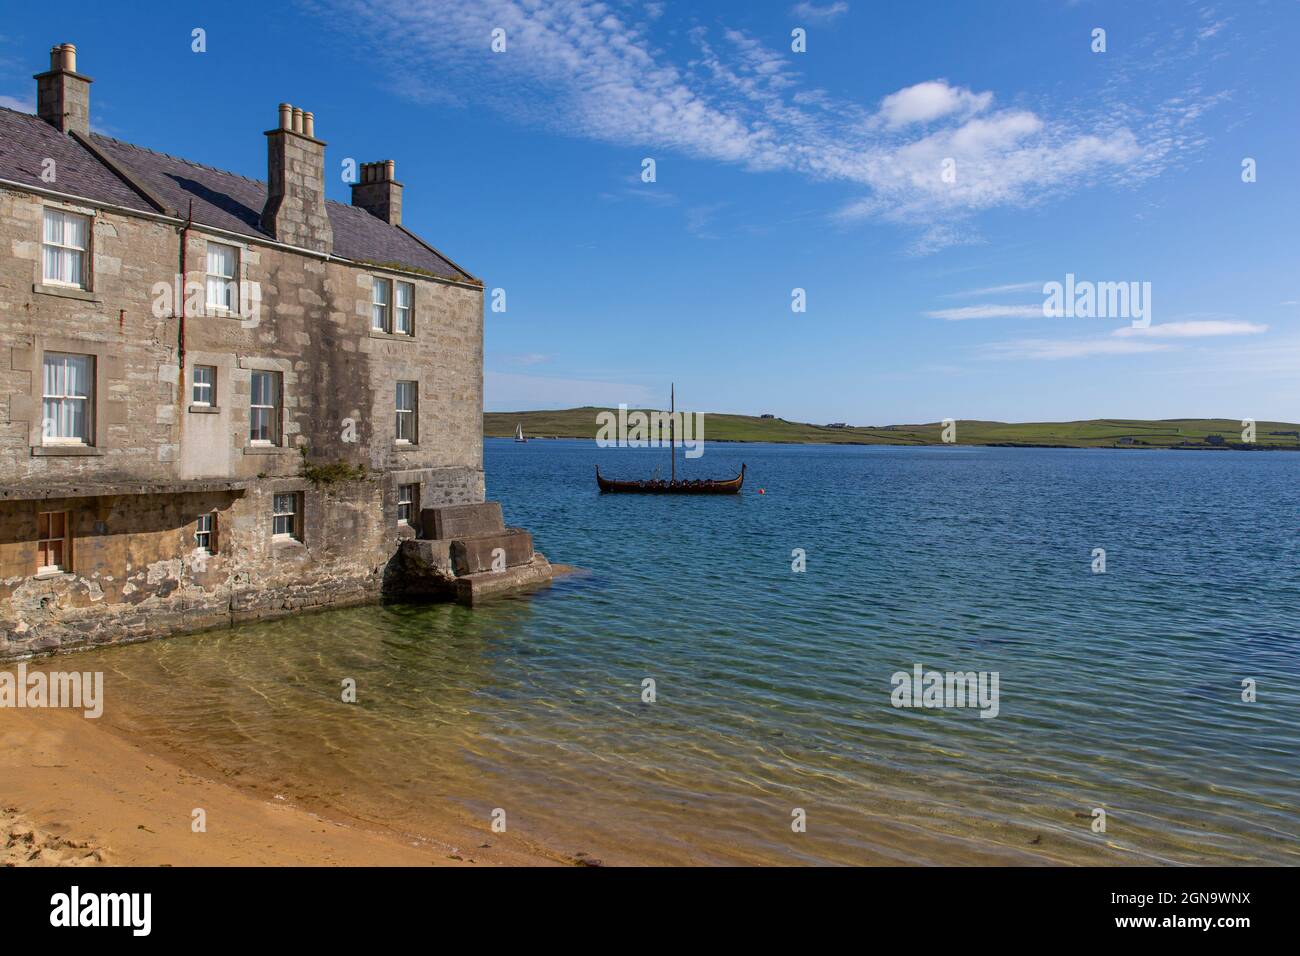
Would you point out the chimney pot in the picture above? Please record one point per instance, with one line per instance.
(62, 94)
(295, 212)
(378, 192)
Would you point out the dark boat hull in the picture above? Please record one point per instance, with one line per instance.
(700, 486)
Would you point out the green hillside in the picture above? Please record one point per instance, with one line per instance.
(1096, 433)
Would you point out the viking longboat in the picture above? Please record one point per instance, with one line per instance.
(657, 486)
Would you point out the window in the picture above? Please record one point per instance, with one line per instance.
(381, 296)
(68, 392)
(403, 323)
(223, 261)
(264, 409)
(67, 238)
(205, 533)
(406, 408)
(408, 503)
(286, 518)
(205, 385)
(52, 541)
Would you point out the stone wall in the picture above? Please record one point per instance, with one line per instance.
(133, 571)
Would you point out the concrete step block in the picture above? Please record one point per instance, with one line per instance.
(474, 589)
(486, 552)
(462, 521)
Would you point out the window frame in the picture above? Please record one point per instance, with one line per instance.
(413, 412)
(210, 547)
(275, 426)
(295, 516)
(230, 282)
(398, 309)
(65, 542)
(408, 498)
(86, 258)
(88, 440)
(211, 386)
(385, 323)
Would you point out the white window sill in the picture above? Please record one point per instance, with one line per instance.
(266, 450)
(45, 574)
(68, 450)
(66, 291)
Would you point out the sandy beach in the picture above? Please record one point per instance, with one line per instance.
(73, 794)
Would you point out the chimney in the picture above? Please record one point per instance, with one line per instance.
(295, 183)
(63, 94)
(379, 193)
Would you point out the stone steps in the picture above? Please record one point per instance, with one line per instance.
(466, 553)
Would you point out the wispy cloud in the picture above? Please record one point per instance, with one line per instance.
(1126, 340)
(699, 220)
(526, 358)
(998, 290)
(811, 11)
(927, 157)
(964, 312)
(1052, 349)
(1191, 330)
(23, 104)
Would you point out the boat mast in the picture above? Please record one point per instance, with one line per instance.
(672, 438)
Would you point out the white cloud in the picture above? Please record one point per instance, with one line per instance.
(23, 104)
(999, 289)
(589, 69)
(810, 11)
(1053, 349)
(1126, 340)
(526, 358)
(929, 101)
(1190, 330)
(1210, 29)
(988, 312)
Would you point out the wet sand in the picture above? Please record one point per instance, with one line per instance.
(74, 794)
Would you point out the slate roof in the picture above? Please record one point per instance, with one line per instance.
(221, 199)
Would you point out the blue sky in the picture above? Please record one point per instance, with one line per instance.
(777, 170)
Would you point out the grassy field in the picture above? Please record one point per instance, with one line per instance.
(1095, 433)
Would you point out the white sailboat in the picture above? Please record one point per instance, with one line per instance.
(519, 433)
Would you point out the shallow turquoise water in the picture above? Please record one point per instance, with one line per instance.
(1118, 691)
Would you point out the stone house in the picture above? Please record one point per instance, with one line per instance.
(220, 398)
